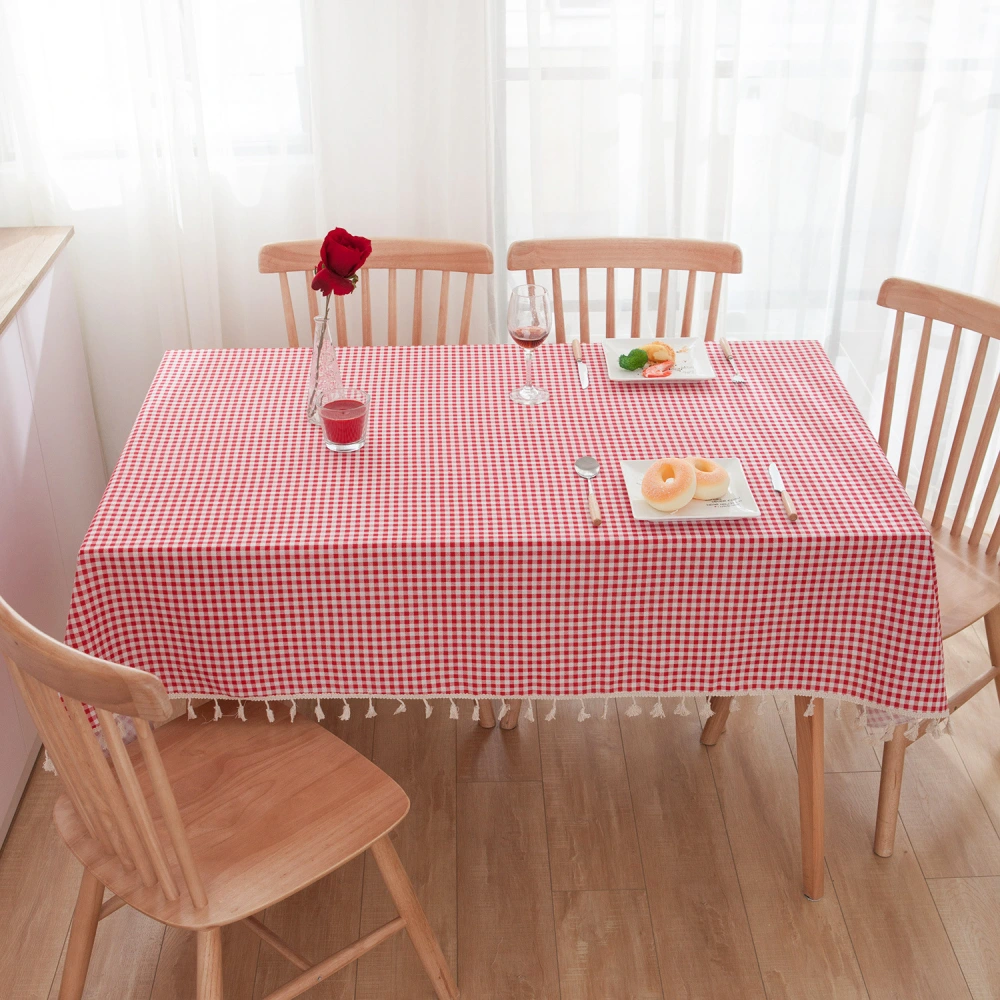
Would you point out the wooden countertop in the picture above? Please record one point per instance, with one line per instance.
(26, 253)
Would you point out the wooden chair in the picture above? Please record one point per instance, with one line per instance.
(393, 255)
(608, 254)
(966, 557)
(619, 252)
(200, 826)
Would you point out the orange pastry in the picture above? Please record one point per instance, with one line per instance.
(669, 484)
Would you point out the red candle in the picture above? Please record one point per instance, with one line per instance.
(343, 420)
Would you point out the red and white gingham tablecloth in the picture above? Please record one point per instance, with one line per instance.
(234, 556)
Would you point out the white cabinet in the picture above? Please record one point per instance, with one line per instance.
(51, 479)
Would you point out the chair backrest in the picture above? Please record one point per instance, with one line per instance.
(114, 812)
(655, 254)
(962, 313)
(392, 255)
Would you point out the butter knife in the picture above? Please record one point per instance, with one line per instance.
(779, 486)
(582, 371)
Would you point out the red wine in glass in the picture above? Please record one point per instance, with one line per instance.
(529, 337)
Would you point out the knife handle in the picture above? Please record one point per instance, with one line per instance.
(577, 350)
(789, 506)
(726, 349)
(595, 511)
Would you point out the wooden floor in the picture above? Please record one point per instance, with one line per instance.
(615, 859)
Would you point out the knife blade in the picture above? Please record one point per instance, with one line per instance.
(582, 371)
(778, 483)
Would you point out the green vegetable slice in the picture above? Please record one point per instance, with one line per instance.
(634, 360)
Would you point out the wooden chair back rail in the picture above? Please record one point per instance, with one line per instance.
(964, 313)
(106, 795)
(391, 255)
(635, 254)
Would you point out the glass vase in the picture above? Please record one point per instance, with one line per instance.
(324, 373)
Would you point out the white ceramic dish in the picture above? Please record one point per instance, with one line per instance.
(737, 503)
(692, 364)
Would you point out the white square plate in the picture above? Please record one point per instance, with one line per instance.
(737, 503)
(692, 364)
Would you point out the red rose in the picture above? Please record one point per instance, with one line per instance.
(340, 258)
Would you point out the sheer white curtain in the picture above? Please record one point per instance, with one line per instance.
(177, 138)
(837, 143)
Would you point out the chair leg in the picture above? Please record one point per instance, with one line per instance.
(509, 721)
(809, 751)
(890, 785)
(716, 724)
(81, 937)
(992, 622)
(417, 926)
(486, 717)
(210, 964)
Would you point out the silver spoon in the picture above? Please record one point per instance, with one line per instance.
(587, 467)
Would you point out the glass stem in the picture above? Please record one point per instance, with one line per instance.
(527, 370)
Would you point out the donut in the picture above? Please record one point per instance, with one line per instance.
(712, 479)
(658, 352)
(669, 484)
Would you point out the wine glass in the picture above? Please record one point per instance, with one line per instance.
(529, 317)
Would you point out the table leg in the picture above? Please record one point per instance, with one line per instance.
(716, 724)
(809, 750)
(509, 721)
(486, 717)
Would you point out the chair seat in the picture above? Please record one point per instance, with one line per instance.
(968, 581)
(269, 809)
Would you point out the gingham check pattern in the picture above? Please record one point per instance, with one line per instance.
(233, 556)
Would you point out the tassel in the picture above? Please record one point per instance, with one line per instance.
(734, 705)
(657, 711)
(293, 711)
(192, 714)
(605, 715)
(552, 712)
(48, 765)
(709, 711)
(633, 711)
(427, 709)
(475, 710)
(345, 712)
(241, 713)
(584, 714)
(318, 712)
(217, 714)
(682, 708)
(401, 708)
(530, 713)
(762, 704)
(504, 709)
(839, 714)
(453, 711)
(269, 711)
(371, 713)
(810, 708)
(913, 730)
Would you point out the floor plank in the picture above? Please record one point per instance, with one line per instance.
(506, 932)
(802, 946)
(39, 880)
(605, 946)
(588, 809)
(694, 895)
(123, 964)
(901, 943)
(420, 754)
(497, 754)
(970, 909)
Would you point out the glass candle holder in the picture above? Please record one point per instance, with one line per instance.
(343, 414)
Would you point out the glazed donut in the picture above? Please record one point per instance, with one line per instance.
(669, 484)
(712, 479)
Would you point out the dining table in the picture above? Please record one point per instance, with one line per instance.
(453, 557)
